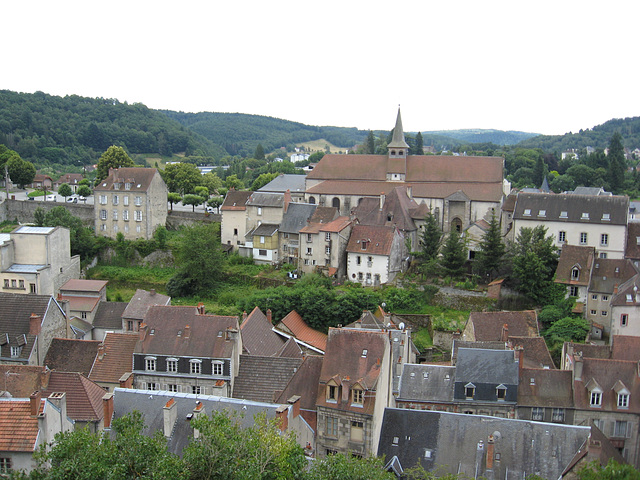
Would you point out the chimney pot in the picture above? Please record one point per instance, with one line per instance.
(34, 403)
(152, 292)
(187, 331)
(170, 415)
(35, 322)
(282, 414)
(269, 315)
(107, 403)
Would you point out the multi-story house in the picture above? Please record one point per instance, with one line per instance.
(353, 391)
(625, 309)
(36, 260)
(183, 350)
(71, 179)
(499, 326)
(574, 271)
(233, 227)
(458, 189)
(323, 243)
(295, 184)
(28, 324)
(131, 201)
(136, 310)
(294, 219)
(374, 254)
(545, 395)
(83, 297)
(264, 243)
(598, 221)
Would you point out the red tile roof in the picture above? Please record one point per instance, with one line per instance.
(299, 329)
(80, 285)
(379, 239)
(22, 380)
(117, 359)
(80, 304)
(84, 397)
(18, 428)
(488, 326)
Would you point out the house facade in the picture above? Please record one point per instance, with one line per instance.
(233, 227)
(374, 254)
(131, 201)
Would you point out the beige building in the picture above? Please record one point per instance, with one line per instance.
(131, 201)
(36, 260)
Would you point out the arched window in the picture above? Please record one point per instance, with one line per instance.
(393, 152)
(335, 202)
(456, 225)
(312, 200)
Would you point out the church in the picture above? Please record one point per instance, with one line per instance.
(458, 190)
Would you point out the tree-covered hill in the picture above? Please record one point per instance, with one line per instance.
(241, 133)
(497, 137)
(50, 130)
(596, 137)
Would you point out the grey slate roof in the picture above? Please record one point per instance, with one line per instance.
(426, 383)
(266, 229)
(264, 199)
(458, 443)
(141, 301)
(486, 366)
(109, 315)
(262, 379)
(284, 182)
(575, 205)
(296, 217)
(609, 272)
(151, 403)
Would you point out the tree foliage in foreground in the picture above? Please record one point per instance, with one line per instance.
(114, 157)
(492, 249)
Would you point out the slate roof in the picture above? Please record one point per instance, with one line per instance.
(575, 256)
(296, 217)
(140, 179)
(117, 359)
(141, 301)
(396, 210)
(18, 428)
(457, 344)
(262, 379)
(68, 355)
(284, 182)
(479, 365)
(632, 245)
(451, 442)
(167, 333)
(607, 373)
(293, 324)
(266, 229)
(109, 315)
(151, 403)
(588, 350)
(540, 387)
(84, 397)
(290, 349)
(235, 200)
(575, 205)
(82, 285)
(379, 238)
(258, 338)
(607, 273)
(488, 326)
(304, 383)
(264, 199)
(426, 383)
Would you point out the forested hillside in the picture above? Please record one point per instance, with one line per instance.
(497, 137)
(596, 137)
(50, 130)
(241, 133)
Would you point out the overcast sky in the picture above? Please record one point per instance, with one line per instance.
(546, 66)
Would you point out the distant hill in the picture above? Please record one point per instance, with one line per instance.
(596, 137)
(72, 130)
(497, 137)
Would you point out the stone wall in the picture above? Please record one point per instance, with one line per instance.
(22, 210)
(177, 219)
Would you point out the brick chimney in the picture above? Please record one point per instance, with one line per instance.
(295, 403)
(490, 452)
(35, 321)
(199, 410)
(126, 380)
(170, 415)
(142, 332)
(244, 315)
(107, 405)
(282, 415)
(269, 314)
(577, 366)
(519, 354)
(504, 336)
(287, 200)
(34, 403)
(187, 331)
(101, 351)
(200, 308)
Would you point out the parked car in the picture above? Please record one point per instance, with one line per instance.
(210, 209)
(72, 200)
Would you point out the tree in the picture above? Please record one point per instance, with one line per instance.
(172, 198)
(181, 178)
(617, 163)
(454, 255)
(64, 190)
(568, 329)
(38, 216)
(198, 253)
(611, 471)
(534, 263)
(114, 157)
(370, 144)
(193, 200)
(83, 241)
(202, 192)
(20, 171)
(216, 202)
(84, 191)
(538, 171)
(213, 182)
(348, 467)
(262, 180)
(492, 249)
(419, 146)
(232, 181)
(430, 238)
(259, 153)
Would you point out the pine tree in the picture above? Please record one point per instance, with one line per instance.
(370, 145)
(538, 171)
(492, 249)
(430, 239)
(259, 155)
(617, 163)
(419, 146)
(454, 255)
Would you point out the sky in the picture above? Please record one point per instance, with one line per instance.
(546, 67)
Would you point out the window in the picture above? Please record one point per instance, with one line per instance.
(138, 215)
(537, 414)
(137, 201)
(527, 212)
(585, 216)
(331, 426)
(150, 364)
(557, 415)
(357, 431)
(15, 352)
(235, 231)
(593, 312)
(172, 365)
(327, 236)
(130, 325)
(501, 392)
(84, 315)
(603, 313)
(103, 227)
(596, 398)
(573, 291)
(620, 429)
(127, 186)
(32, 288)
(332, 393)
(623, 400)
(103, 199)
(360, 276)
(172, 387)
(562, 236)
(14, 283)
(629, 298)
(217, 368)
(116, 186)
(583, 238)
(594, 296)
(327, 250)
(152, 386)
(6, 283)
(262, 252)
(542, 213)
(605, 298)
(606, 217)
(261, 238)
(196, 389)
(575, 273)
(469, 390)
(115, 199)
(103, 214)
(624, 320)
(604, 239)
(358, 260)
(5, 465)
(115, 214)
(125, 215)
(309, 250)
(195, 367)
(602, 255)
(21, 285)
(125, 200)
(358, 396)
(564, 215)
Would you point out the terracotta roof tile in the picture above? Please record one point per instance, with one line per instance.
(296, 326)
(625, 347)
(607, 373)
(539, 387)
(632, 250)
(488, 326)
(84, 397)
(117, 359)
(81, 285)
(18, 428)
(536, 353)
(379, 239)
(80, 304)
(579, 257)
(22, 380)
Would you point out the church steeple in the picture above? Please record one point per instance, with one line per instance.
(398, 148)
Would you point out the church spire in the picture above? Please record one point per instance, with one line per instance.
(397, 141)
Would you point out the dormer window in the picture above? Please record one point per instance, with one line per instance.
(357, 396)
(527, 212)
(363, 244)
(595, 394)
(564, 215)
(150, 364)
(332, 391)
(622, 393)
(542, 213)
(364, 353)
(623, 400)
(629, 298)
(585, 216)
(469, 391)
(606, 217)
(501, 392)
(127, 186)
(575, 273)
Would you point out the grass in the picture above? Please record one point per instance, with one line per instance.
(320, 145)
(422, 339)
(8, 226)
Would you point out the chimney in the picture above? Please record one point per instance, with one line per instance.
(126, 380)
(269, 314)
(187, 331)
(101, 351)
(152, 292)
(244, 315)
(170, 415)
(35, 322)
(282, 415)
(295, 403)
(382, 198)
(59, 399)
(34, 403)
(594, 449)
(199, 410)
(519, 354)
(410, 191)
(200, 308)
(287, 199)
(142, 332)
(615, 289)
(490, 448)
(107, 405)
(504, 336)
(577, 366)
(112, 171)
